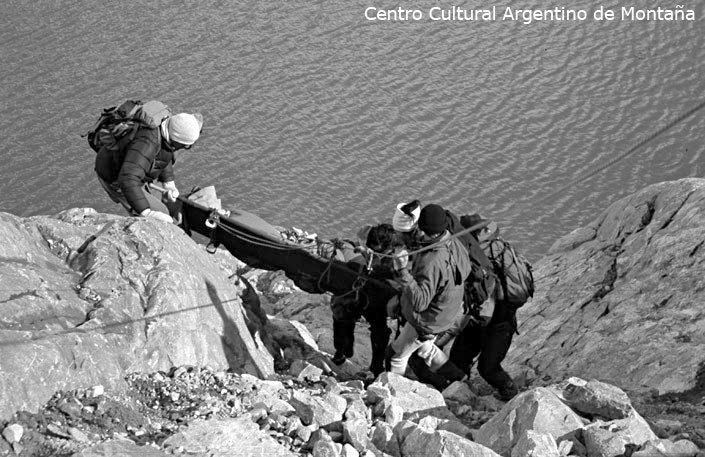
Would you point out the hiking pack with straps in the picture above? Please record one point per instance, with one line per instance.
(117, 125)
(481, 280)
(513, 271)
(478, 286)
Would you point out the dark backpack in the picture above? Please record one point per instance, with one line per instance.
(481, 281)
(117, 125)
(513, 271)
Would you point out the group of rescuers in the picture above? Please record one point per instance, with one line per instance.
(418, 253)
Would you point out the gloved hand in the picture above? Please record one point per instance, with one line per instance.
(400, 259)
(172, 193)
(157, 215)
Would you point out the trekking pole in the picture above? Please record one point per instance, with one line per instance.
(159, 188)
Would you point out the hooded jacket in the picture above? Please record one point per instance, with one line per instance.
(432, 293)
(144, 159)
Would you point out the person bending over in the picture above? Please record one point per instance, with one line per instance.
(149, 156)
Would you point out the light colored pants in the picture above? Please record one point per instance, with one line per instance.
(407, 343)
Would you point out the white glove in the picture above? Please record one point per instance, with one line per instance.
(172, 193)
(157, 215)
(400, 259)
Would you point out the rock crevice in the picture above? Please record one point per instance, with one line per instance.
(617, 298)
(132, 306)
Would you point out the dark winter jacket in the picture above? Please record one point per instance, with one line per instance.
(144, 159)
(432, 293)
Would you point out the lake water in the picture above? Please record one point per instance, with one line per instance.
(319, 118)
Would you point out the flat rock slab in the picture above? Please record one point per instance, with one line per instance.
(120, 449)
(225, 438)
(620, 300)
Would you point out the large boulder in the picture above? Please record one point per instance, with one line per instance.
(421, 441)
(596, 398)
(611, 438)
(321, 410)
(536, 445)
(539, 410)
(620, 300)
(141, 297)
(666, 448)
(417, 400)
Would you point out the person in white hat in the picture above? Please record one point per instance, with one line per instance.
(406, 216)
(149, 156)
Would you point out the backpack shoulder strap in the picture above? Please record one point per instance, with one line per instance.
(152, 113)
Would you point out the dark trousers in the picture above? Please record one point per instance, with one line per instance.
(490, 345)
(346, 312)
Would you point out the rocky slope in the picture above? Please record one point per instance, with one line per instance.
(143, 344)
(142, 297)
(621, 299)
(204, 412)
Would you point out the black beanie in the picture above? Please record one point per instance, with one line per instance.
(433, 219)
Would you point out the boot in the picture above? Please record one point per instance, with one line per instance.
(339, 358)
(451, 372)
(343, 340)
(425, 375)
(379, 340)
(507, 391)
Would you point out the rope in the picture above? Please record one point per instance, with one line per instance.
(271, 244)
(256, 240)
(253, 239)
(431, 246)
(326, 271)
(633, 149)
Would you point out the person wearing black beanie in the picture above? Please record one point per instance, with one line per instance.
(432, 294)
(433, 220)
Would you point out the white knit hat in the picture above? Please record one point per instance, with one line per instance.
(184, 128)
(403, 222)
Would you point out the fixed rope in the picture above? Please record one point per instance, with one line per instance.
(631, 151)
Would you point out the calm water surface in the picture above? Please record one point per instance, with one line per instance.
(320, 119)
